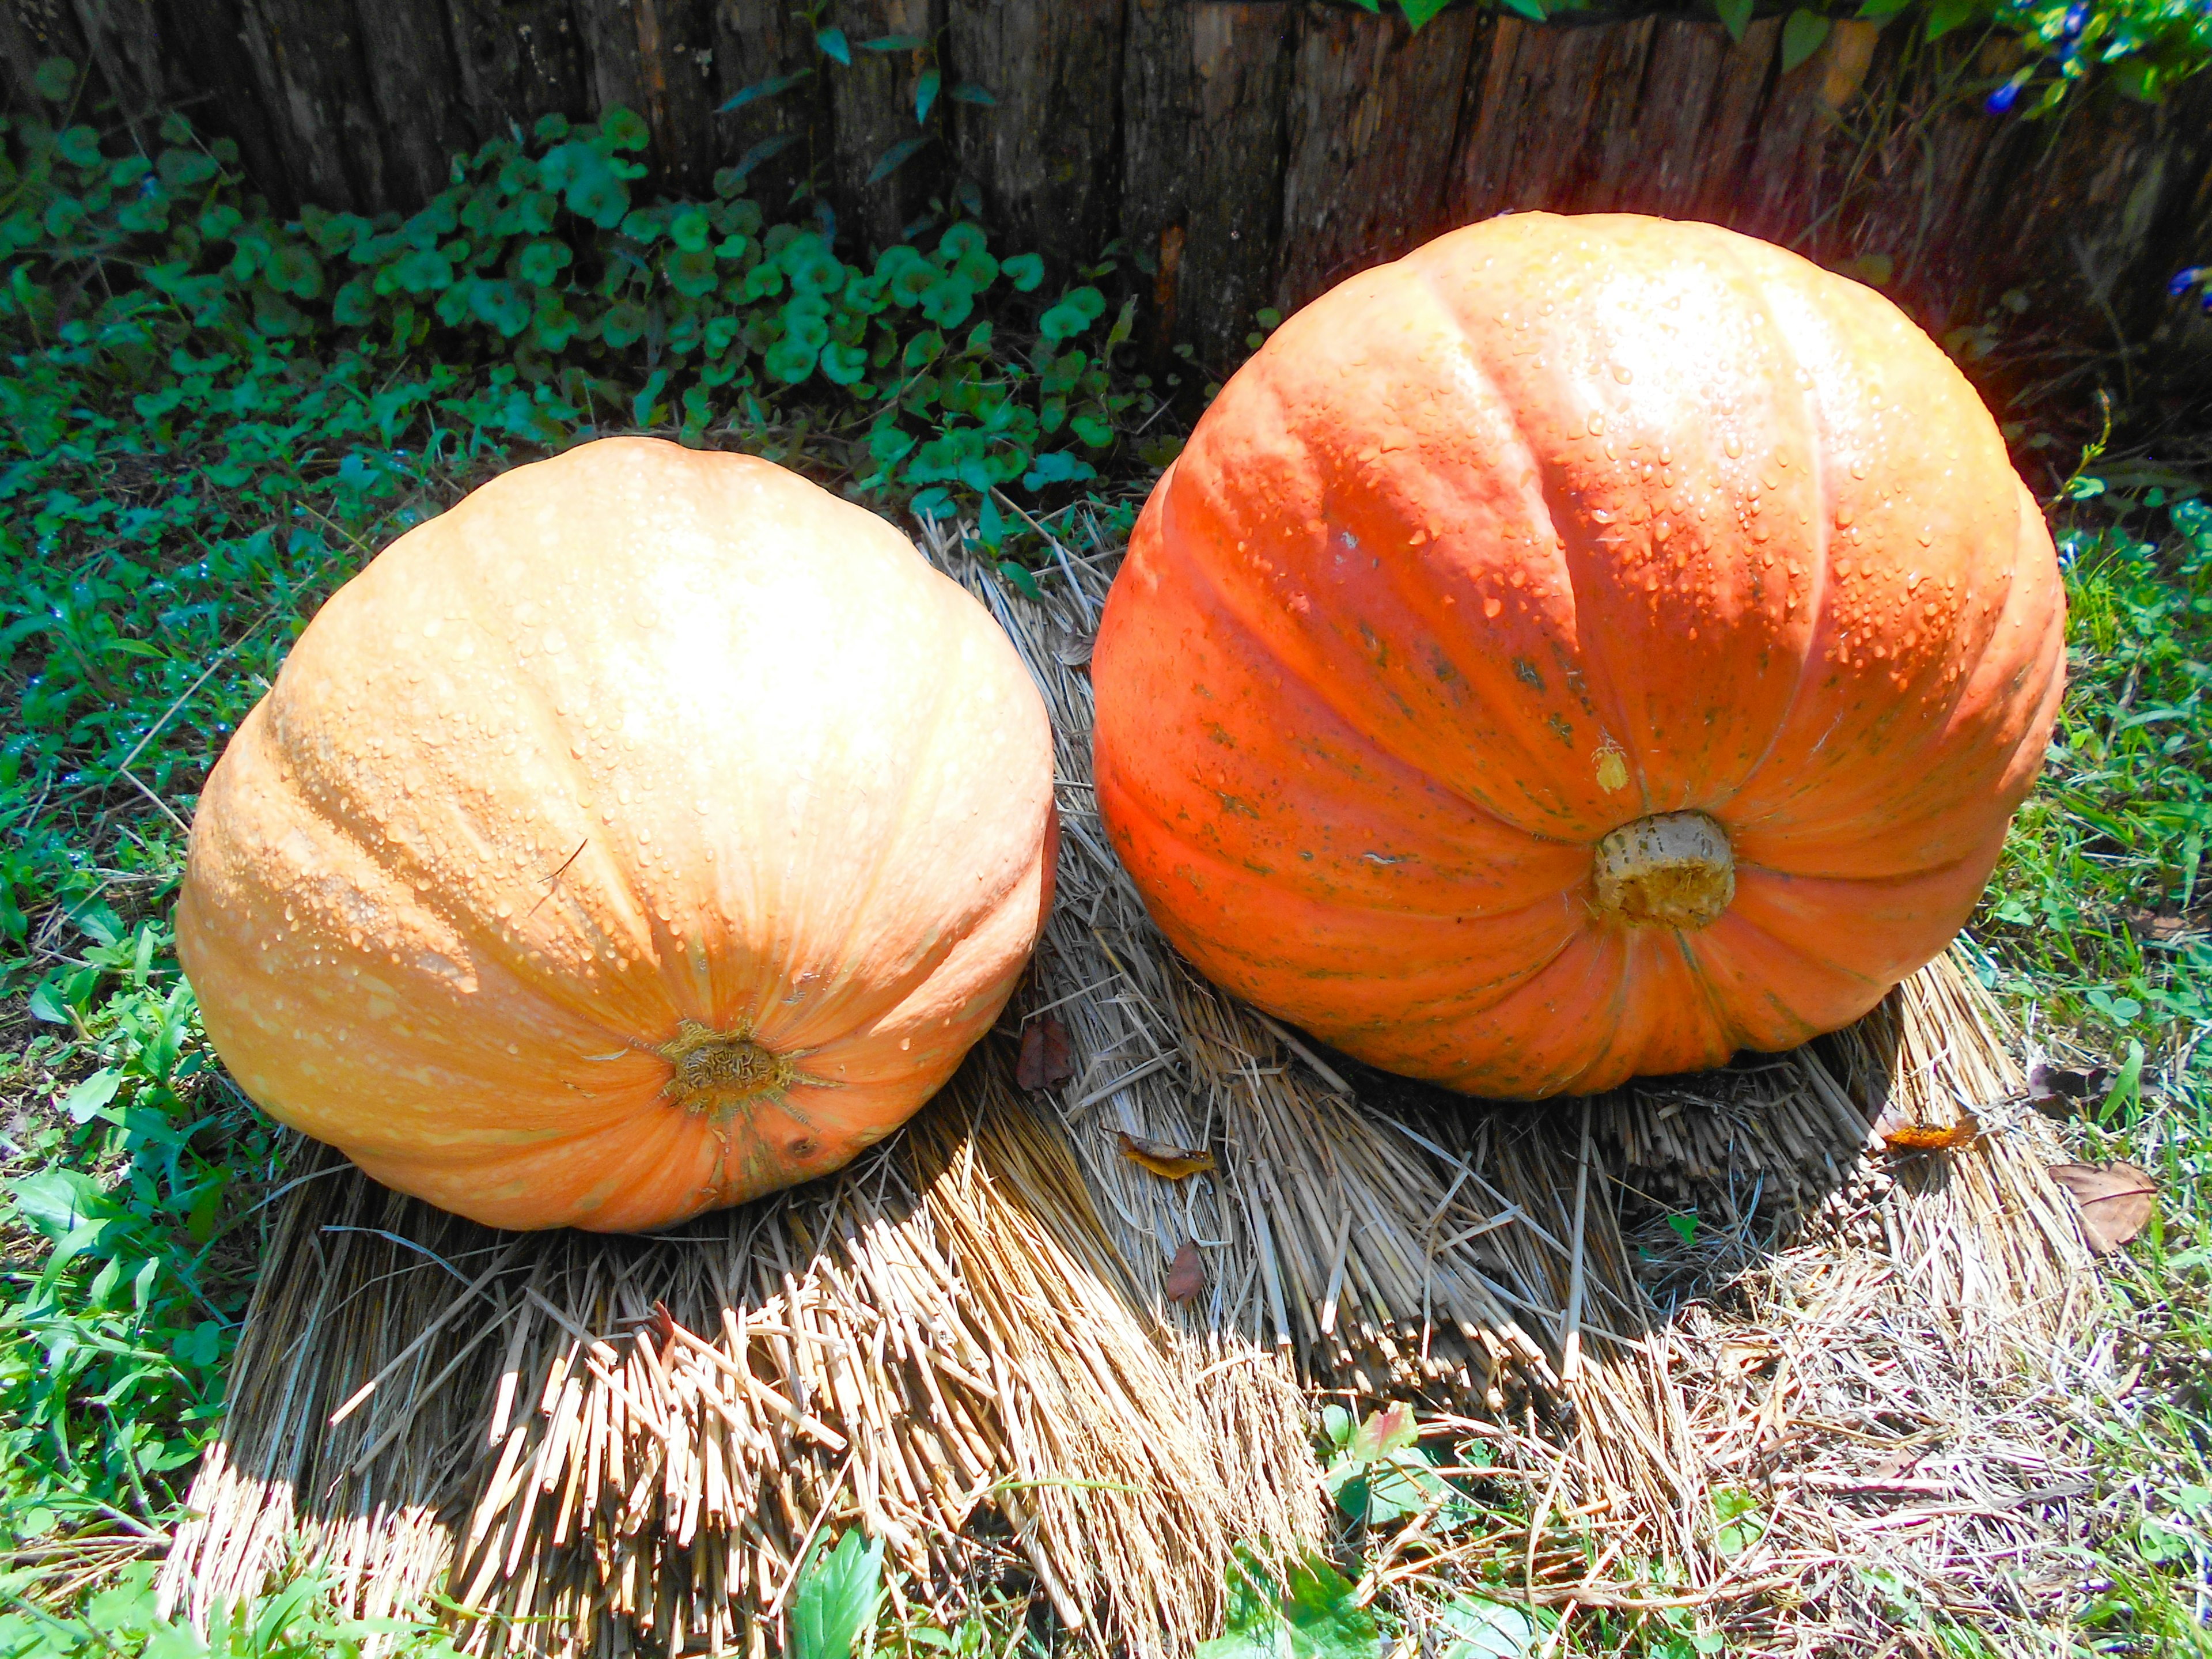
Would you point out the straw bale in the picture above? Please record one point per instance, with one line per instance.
(965, 1343)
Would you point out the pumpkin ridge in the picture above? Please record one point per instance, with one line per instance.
(1596, 677)
(890, 845)
(350, 819)
(1223, 606)
(1938, 733)
(1823, 524)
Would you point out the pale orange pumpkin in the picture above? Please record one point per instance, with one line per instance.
(650, 831)
(1584, 647)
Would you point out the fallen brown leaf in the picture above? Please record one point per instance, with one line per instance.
(1185, 1273)
(1044, 1059)
(1932, 1137)
(2161, 926)
(1167, 1162)
(2115, 1201)
(1899, 1132)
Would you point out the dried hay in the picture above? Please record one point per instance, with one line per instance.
(965, 1343)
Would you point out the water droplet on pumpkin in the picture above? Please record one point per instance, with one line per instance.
(1735, 448)
(1623, 373)
(1858, 468)
(1596, 425)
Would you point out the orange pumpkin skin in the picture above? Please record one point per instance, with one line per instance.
(1557, 525)
(650, 831)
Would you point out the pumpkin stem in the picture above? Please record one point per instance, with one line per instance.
(718, 1071)
(1670, 870)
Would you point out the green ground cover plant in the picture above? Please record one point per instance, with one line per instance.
(209, 419)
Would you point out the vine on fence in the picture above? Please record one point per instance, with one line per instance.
(2143, 46)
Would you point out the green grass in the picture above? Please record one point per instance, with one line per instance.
(198, 441)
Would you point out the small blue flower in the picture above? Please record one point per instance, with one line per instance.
(2078, 18)
(2003, 98)
(2182, 281)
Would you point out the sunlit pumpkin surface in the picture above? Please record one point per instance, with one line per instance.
(1584, 648)
(650, 831)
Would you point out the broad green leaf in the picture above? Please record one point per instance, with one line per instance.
(1418, 12)
(834, 44)
(925, 92)
(836, 1598)
(54, 1202)
(55, 79)
(1735, 15)
(1483, 1629)
(1802, 37)
(895, 43)
(1944, 15)
(89, 1096)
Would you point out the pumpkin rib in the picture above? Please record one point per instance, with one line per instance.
(1820, 588)
(467, 925)
(1247, 604)
(1260, 646)
(1550, 496)
(1224, 606)
(398, 863)
(1939, 734)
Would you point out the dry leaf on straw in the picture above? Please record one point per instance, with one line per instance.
(1167, 1162)
(1185, 1273)
(1044, 1059)
(1901, 1134)
(2115, 1201)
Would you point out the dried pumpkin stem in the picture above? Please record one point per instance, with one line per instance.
(1670, 870)
(718, 1072)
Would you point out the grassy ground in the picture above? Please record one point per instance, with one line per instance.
(197, 447)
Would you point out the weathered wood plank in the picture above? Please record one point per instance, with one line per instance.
(756, 41)
(414, 79)
(1045, 154)
(209, 76)
(518, 60)
(1205, 89)
(307, 64)
(1373, 114)
(872, 106)
(1534, 131)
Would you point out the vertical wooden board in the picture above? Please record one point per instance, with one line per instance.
(1044, 153)
(517, 60)
(613, 78)
(308, 67)
(1205, 89)
(1657, 163)
(122, 46)
(757, 42)
(1525, 134)
(415, 85)
(1785, 192)
(1739, 108)
(675, 69)
(1373, 114)
(210, 78)
(872, 106)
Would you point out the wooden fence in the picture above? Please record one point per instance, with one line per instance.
(1245, 152)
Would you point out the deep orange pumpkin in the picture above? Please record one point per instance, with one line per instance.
(650, 831)
(1585, 647)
